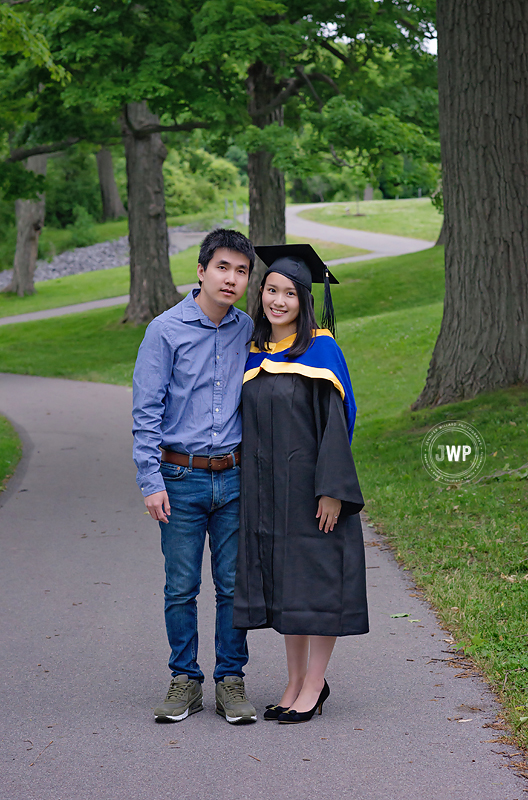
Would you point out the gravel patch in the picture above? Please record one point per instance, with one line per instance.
(104, 255)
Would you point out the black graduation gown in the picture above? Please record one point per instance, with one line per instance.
(291, 576)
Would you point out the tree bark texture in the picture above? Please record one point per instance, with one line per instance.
(483, 83)
(152, 290)
(441, 235)
(113, 207)
(267, 194)
(30, 221)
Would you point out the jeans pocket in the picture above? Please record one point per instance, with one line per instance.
(173, 472)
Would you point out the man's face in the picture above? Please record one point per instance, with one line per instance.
(226, 277)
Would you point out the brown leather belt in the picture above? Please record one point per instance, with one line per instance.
(214, 463)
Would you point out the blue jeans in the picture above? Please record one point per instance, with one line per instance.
(201, 501)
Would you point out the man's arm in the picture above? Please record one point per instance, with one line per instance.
(152, 376)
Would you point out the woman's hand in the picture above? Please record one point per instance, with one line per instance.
(328, 513)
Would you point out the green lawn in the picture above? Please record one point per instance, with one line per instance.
(115, 282)
(466, 544)
(10, 451)
(413, 217)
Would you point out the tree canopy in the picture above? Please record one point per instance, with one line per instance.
(299, 86)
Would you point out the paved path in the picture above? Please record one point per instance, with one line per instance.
(77, 308)
(379, 244)
(84, 652)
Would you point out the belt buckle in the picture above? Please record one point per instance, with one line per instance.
(210, 459)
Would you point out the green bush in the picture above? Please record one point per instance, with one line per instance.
(403, 177)
(193, 180)
(72, 181)
(82, 230)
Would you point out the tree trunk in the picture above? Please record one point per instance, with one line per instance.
(30, 221)
(152, 290)
(441, 235)
(483, 83)
(267, 194)
(113, 207)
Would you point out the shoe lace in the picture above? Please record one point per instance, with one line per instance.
(235, 692)
(177, 691)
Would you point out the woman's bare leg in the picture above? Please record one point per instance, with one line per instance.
(321, 648)
(297, 659)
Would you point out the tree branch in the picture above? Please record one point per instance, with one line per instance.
(337, 53)
(148, 129)
(337, 160)
(310, 85)
(20, 153)
(291, 88)
(320, 76)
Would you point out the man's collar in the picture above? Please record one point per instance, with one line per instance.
(191, 311)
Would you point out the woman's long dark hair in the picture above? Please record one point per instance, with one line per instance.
(306, 322)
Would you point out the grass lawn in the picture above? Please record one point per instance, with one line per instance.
(116, 282)
(413, 217)
(466, 544)
(10, 451)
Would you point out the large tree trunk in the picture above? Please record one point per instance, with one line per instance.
(113, 207)
(267, 195)
(30, 221)
(152, 290)
(483, 82)
(441, 235)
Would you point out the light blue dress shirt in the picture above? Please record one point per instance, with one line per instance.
(187, 387)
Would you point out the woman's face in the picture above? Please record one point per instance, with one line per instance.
(280, 303)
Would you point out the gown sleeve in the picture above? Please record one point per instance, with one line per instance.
(335, 473)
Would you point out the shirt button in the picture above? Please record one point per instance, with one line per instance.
(215, 434)
(218, 356)
(217, 409)
(218, 383)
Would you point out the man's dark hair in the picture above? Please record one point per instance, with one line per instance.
(306, 322)
(223, 237)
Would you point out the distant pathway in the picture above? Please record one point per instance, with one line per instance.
(380, 245)
(84, 651)
(78, 307)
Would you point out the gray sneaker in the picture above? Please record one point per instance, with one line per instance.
(183, 698)
(231, 700)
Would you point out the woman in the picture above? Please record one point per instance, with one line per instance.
(301, 567)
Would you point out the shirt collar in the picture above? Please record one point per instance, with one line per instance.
(191, 311)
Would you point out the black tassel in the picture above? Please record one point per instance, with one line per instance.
(328, 316)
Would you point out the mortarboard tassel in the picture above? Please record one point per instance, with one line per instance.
(328, 315)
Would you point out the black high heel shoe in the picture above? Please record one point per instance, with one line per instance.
(293, 716)
(274, 712)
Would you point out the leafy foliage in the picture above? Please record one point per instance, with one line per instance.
(72, 182)
(193, 179)
(18, 36)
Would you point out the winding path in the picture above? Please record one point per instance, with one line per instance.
(84, 652)
(381, 244)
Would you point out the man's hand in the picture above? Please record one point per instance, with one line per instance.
(158, 506)
(328, 513)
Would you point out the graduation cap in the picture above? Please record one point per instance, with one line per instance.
(300, 263)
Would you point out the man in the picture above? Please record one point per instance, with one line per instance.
(187, 386)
